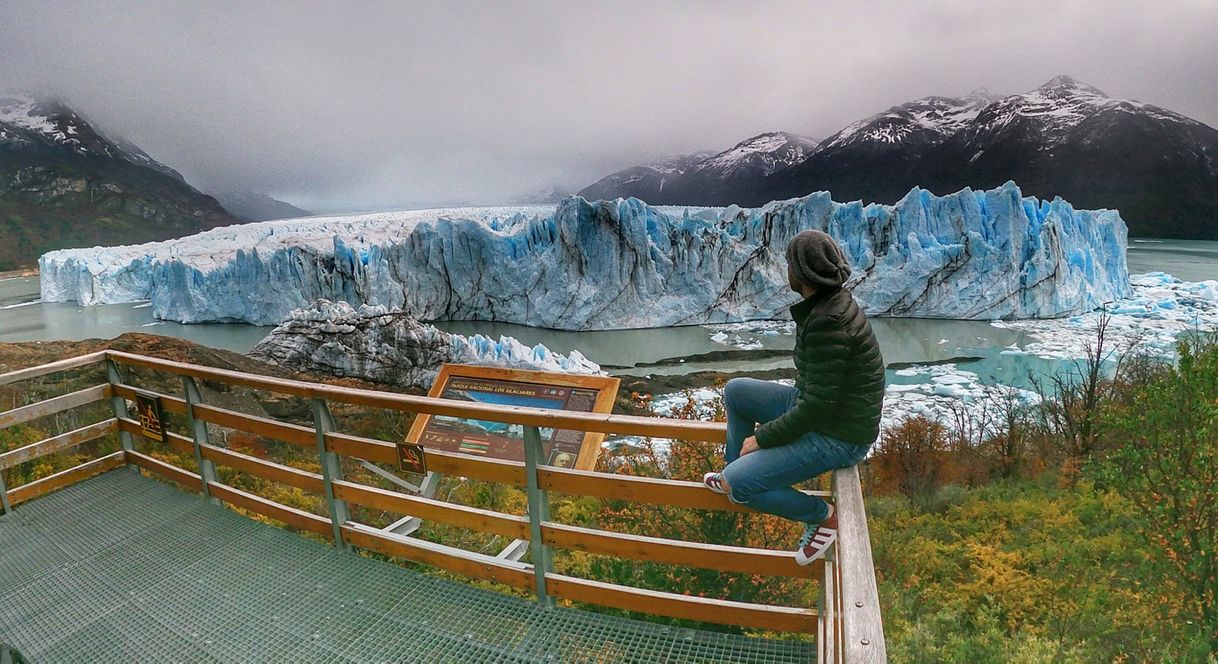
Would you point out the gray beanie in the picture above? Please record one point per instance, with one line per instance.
(817, 260)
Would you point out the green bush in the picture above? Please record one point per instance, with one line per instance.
(1165, 461)
(1022, 570)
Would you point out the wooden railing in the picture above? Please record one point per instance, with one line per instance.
(846, 621)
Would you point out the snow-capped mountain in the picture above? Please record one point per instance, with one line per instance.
(26, 120)
(63, 183)
(716, 180)
(646, 182)
(707, 178)
(764, 154)
(1064, 138)
(922, 121)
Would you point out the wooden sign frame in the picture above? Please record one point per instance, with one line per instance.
(606, 388)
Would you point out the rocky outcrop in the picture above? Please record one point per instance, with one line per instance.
(393, 348)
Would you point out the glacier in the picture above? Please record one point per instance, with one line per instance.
(588, 265)
(391, 347)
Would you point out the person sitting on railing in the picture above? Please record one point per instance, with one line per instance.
(828, 420)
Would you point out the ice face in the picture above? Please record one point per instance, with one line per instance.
(623, 264)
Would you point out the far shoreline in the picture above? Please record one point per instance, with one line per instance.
(19, 273)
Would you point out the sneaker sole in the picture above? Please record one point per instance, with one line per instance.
(803, 561)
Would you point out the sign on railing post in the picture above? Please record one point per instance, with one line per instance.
(539, 510)
(118, 404)
(199, 433)
(331, 469)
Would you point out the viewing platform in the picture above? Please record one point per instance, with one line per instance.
(105, 562)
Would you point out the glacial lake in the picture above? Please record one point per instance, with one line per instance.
(24, 318)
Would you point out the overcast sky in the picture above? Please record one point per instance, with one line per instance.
(352, 106)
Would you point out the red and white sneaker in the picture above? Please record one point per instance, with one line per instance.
(714, 482)
(816, 540)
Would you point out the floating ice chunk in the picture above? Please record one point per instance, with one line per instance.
(1159, 308)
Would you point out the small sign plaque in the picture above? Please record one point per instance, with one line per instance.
(152, 419)
(515, 387)
(411, 458)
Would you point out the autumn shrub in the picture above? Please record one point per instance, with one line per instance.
(911, 458)
(1022, 570)
(1163, 456)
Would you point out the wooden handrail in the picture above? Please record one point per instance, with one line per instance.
(294, 434)
(54, 405)
(651, 490)
(66, 477)
(176, 442)
(58, 443)
(169, 402)
(724, 612)
(269, 508)
(740, 559)
(53, 367)
(275, 472)
(167, 470)
(472, 565)
(862, 628)
(473, 518)
(592, 422)
(453, 464)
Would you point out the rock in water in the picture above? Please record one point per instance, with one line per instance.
(392, 347)
(622, 263)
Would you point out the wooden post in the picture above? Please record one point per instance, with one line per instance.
(828, 615)
(199, 434)
(331, 469)
(539, 510)
(823, 648)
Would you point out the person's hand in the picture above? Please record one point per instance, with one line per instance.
(750, 445)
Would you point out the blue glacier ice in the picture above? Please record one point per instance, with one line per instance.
(623, 264)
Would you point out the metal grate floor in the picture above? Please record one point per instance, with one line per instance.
(122, 568)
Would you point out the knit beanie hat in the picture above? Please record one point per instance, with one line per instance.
(817, 260)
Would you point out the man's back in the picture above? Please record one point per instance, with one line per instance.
(840, 366)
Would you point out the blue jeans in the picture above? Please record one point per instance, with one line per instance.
(763, 480)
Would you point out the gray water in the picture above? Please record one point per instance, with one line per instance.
(1187, 260)
(24, 318)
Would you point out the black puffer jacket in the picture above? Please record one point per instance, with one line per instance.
(841, 374)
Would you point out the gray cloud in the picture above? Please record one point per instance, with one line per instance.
(371, 105)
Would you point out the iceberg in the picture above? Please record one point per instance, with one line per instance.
(390, 347)
(589, 265)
